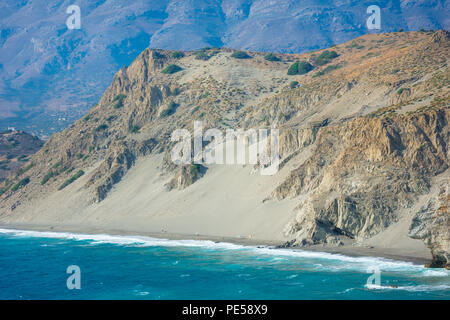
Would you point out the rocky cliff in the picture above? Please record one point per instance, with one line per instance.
(364, 135)
(42, 61)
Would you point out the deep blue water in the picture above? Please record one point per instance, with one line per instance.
(33, 266)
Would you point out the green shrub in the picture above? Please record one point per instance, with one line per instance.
(271, 57)
(195, 171)
(157, 55)
(171, 108)
(48, 176)
(202, 56)
(20, 184)
(299, 68)
(240, 55)
(171, 69)
(71, 179)
(325, 57)
(69, 170)
(401, 90)
(101, 127)
(177, 55)
(134, 129)
(205, 95)
(119, 100)
(120, 96)
(58, 164)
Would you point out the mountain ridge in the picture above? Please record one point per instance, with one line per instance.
(363, 136)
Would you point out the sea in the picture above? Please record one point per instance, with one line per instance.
(55, 265)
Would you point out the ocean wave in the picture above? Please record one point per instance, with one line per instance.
(436, 273)
(336, 262)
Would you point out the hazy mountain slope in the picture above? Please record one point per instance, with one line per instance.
(15, 148)
(363, 144)
(50, 76)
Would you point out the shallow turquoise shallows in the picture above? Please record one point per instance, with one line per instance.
(33, 265)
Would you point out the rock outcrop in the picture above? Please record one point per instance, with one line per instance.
(432, 225)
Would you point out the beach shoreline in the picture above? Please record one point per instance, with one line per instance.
(346, 250)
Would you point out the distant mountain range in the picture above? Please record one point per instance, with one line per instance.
(50, 75)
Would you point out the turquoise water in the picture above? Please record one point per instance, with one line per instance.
(33, 266)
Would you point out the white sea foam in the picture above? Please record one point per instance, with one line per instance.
(417, 288)
(336, 262)
(436, 273)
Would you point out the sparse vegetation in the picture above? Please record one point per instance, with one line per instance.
(56, 165)
(325, 57)
(158, 55)
(201, 55)
(240, 55)
(177, 55)
(205, 95)
(171, 108)
(101, 127)
(173, 68)
(300, 68)
(71, 179)
(271, 57)
(48, 176)
(119, 100)
(356, 45)
(87, 118)
(327, 70)
(195, 171)
(20, 184)
(134, 129)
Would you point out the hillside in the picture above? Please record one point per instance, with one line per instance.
(363, 145)
(50, 75)
(15, 149)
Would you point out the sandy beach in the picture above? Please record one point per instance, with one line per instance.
(224, 206)
(416, 257)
